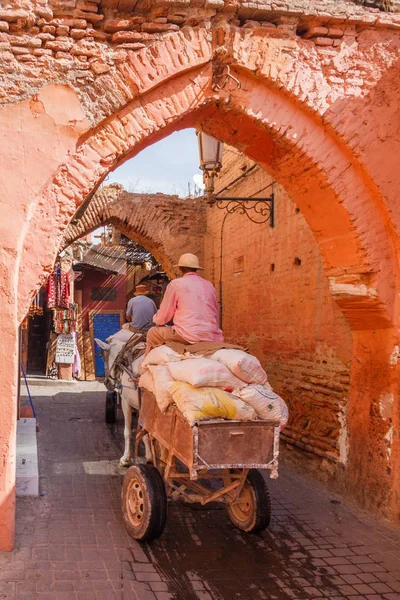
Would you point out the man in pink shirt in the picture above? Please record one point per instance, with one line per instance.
(191, 303)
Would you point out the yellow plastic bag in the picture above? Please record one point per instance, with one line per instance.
(197, 404)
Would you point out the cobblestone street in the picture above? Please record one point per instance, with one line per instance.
(71, 543)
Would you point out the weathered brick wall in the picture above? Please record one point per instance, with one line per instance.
(165, 225)
(86, 44)
(312, 50)
(277, 301)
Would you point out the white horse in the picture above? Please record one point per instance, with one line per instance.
(130, 402)
(129, 390)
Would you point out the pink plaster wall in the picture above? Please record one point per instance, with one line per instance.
(37, 135)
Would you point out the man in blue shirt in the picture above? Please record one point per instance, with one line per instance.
(141, 309)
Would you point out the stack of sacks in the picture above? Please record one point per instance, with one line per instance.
(246, 367)
(230, 384)
(199, 403)
(155, 374)
(201, 390)
(258, 393)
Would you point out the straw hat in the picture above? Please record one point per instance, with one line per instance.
(189, 260)
(141, 290)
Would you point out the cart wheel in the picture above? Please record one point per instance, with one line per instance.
(144, 502)
(111, 407)
(252, 512)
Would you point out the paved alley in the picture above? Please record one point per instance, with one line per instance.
(71, 544)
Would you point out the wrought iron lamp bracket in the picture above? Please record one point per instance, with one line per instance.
(258, 210)
(222, 75)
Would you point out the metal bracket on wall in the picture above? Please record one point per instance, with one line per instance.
(258, 210)
(222, 74)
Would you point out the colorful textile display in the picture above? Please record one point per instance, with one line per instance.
(36, 308)
(64, 320)
(58, 289)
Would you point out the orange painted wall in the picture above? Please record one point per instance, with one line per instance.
(341, 385)
(37, 136)
(277, 302)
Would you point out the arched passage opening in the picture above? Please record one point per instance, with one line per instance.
(319, 173)
(315, 166)
(164, 225)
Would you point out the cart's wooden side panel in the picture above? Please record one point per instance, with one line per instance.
(147, 410)
(183, 440)
(247, 443)
(163, 426)
(154, 421)
(214, 444)
(171, 429)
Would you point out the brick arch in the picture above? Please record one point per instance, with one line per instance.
(334, 193)
(271, 128)
(130, 99)
(165, 225)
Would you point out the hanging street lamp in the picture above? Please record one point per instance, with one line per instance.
(258, 210)
(210, 151)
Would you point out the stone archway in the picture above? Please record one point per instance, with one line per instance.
(285, 139)
(165, 225)
(290, 147)
(295, 114)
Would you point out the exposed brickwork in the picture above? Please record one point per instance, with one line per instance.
(136, 126)
(165, 225)
(358, 280)
(135, 71)
(279, 304)
(288, 319)
(88, 45)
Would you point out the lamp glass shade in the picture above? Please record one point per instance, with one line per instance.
(210, 150)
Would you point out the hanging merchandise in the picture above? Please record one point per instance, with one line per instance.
(36, 307)
(64, 320)
(58, 289)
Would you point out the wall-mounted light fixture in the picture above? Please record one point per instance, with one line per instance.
(258, 210)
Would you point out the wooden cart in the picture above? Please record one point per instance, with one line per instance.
(213, 461)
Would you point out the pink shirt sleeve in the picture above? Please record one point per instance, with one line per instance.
(167, 308)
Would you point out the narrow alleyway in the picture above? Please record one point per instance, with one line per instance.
(71, 543)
